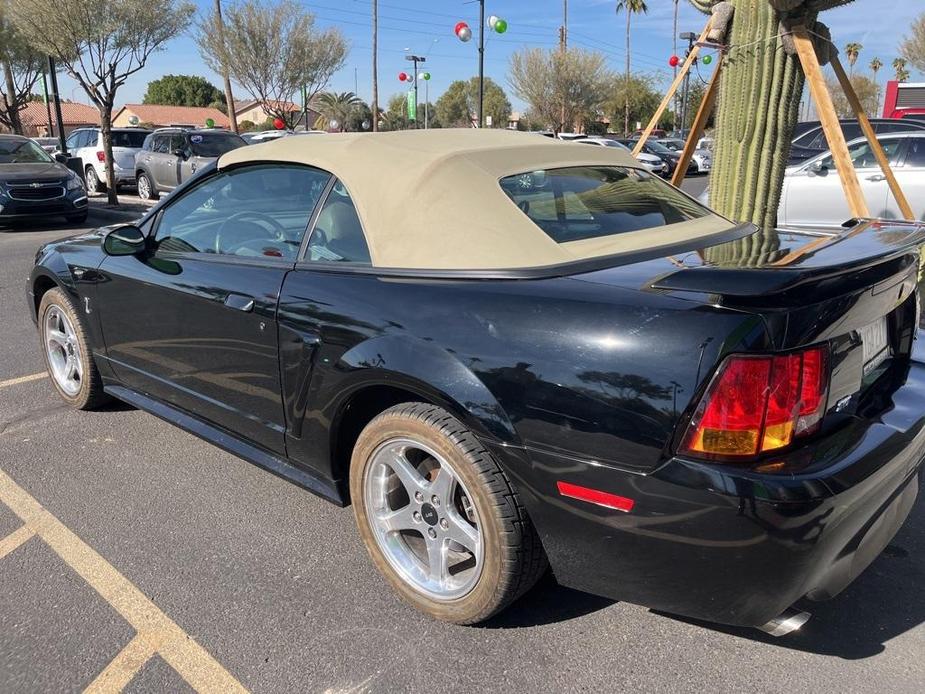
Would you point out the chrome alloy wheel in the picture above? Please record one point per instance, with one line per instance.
(144, 187)
(63, 350)
(423, 519)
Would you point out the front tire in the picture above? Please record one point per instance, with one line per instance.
(438, 516)
(146, 189)
(67, 354)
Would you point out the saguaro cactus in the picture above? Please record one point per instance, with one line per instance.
(759, 100)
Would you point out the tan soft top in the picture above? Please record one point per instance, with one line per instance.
(430, 199)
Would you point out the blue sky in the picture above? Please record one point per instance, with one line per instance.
(593, 24)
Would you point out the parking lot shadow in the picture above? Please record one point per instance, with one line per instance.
(547, 603)
(883, 603)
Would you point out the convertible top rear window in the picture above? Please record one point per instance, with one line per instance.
(586, 202)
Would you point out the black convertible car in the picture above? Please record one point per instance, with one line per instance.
(507, 352)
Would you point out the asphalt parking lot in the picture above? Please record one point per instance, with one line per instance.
(132, 553)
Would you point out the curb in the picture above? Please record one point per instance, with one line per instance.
(115, 216)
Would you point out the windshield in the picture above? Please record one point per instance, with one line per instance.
(657, 148)
(586, 202)
(129, 138)
(214, 144)
(673, 145)
(22, 152)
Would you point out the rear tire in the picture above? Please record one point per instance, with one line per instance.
(66, 350)
(146, 189)
(94, 184)
(498, 555)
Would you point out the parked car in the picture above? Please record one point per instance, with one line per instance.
(87, 145)
(170, 156)
(812, 142)
(515, 374)
(34, 185)
(703, 158)
(49, 144)
(650, 162)
(812, 196)
(264, 136)
(670, 158)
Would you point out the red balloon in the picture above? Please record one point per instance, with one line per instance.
(460, 26)
(279, 123)
(674, 61)
(403, 76)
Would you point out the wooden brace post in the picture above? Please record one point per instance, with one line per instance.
(699, 125)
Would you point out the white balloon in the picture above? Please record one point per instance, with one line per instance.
(493, 20)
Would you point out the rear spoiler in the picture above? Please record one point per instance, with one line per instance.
(869, 244)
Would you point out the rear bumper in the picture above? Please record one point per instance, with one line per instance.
(724, 545)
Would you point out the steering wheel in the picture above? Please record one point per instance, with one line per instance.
(245, 234)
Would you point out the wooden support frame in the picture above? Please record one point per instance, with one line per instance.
(871, 136)
(700, 123)
(857, 203)
(682, 73)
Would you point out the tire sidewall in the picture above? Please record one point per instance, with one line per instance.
(149, 187)
(480, 602)
(57, 298)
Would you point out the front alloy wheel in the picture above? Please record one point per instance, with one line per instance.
(438, 516)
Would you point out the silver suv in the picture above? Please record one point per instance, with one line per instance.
(87, 143)
(170, 156)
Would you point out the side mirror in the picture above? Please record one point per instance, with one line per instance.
(124, 240)
(818, 168)
(180, 153)
(60, 157)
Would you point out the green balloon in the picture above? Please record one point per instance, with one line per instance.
(501, 26)
(426, 76)
(707, 59)
(210, 123)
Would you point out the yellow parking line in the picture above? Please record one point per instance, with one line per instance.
(15, 539)
(123, 667)
(22, 379)
(179, 649)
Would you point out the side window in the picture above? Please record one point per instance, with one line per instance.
(73, 139)
(159, 144)
(177, 141)
(338, 234)
(915, 153)
(256, 211)
(863, 156)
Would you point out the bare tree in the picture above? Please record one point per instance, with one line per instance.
(273, 50)
(100, 44)
(229, 97)
(22, 66)
(913, 46)
(561, 87)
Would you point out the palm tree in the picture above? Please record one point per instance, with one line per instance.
(853, 50)
(631, 7)
(875, 65)
(336, 110)
(375, 104)
(902, 74)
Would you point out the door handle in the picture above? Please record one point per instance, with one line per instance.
(876, 178)
(239, 302)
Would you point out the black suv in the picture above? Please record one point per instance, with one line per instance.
(170, 156)
(809, 139)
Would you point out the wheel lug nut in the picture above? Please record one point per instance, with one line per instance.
(444, 524)
(416, 516)
(434, 500)
(418, 497)
(432, 533)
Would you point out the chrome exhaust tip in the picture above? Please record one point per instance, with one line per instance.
(786, 623)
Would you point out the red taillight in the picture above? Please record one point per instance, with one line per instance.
(101, 156)
(757, 404)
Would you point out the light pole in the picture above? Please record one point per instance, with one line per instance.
(416, 59)
(691, 38)
(481, 62)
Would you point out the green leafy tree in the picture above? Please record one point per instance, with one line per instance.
(458, 105)
(865, 88)
(630, 7)
(336, 110)
(100, 44)
(913, 46)
(641, 95)
(273, 50)
(182, 90)
(562, 88)
(395, 116)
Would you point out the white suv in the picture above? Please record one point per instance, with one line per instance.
(87, 143)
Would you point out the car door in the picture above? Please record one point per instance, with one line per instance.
(192, 320)
(910, 175)
(813, 194)
(157, 167)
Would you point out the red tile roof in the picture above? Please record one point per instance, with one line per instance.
(175, 115)
(35, 114)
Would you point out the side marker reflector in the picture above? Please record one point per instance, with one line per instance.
(595, 496)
